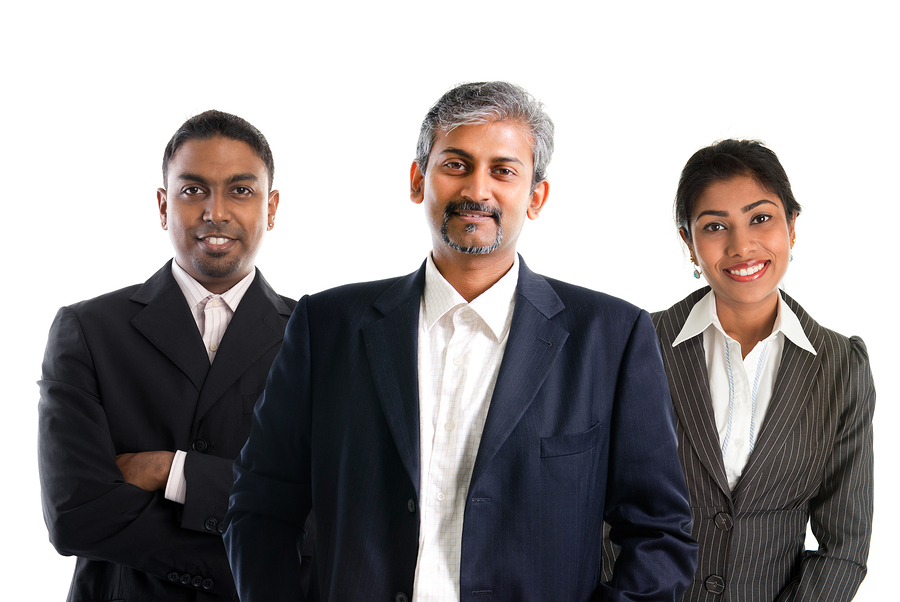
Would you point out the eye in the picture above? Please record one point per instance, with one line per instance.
(242, 190)
(191, 190)
(504, 171)
(454, 165)
(759, 219)
(713, 227)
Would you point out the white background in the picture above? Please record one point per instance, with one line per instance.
(92, 91)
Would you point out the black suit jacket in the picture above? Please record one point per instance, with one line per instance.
(812, 462)
(128, 372)
(580, 427)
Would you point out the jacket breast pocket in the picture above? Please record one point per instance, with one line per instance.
(570, 444)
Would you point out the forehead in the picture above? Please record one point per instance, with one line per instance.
(216, 158)
(486, 141)
(733, 195)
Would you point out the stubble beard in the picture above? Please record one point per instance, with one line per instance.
(471, 228)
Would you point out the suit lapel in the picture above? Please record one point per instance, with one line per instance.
(392, 348)
(793, 387)
(534, 343)
(166, 322)
(690, 380)
(256, 327)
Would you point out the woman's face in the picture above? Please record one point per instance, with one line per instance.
(741, 240)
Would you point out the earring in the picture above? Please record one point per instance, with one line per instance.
(696, 273)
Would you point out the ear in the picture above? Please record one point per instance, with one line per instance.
(272, 207)
(538, 199)
(681, 233)
(161, 201)
(791, 230)
(416, 184)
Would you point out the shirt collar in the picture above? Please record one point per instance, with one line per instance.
(494, 305)
(703, 315)
(195, 293)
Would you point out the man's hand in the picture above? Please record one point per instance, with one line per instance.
(147, 470)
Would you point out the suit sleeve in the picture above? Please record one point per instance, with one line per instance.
(89, 509)
(841, 512)
(647, 505)
(271, 495)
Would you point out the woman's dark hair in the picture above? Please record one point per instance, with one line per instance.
(723, 161)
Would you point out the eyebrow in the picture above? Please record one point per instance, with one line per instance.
(749, 207)
(238, 177)
(450, 150)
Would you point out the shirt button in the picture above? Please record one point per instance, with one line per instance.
(450, 425)
(739, 442)
(458, 360)
(213, 347)
(214, 302)
(440, 496)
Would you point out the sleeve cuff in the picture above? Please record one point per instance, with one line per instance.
(176, 486)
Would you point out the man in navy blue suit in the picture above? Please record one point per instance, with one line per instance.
(464, 431)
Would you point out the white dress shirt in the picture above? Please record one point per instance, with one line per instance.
(741, 387)
(460, 347)
(213, 314)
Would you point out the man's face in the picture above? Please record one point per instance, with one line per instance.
(477, 190)
(216, 208)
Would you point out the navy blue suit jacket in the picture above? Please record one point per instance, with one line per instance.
(580, 428)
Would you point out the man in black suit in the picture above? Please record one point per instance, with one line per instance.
(462, 432)
(147, 392)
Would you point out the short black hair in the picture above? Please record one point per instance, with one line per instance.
(725, 160)
(212, 123)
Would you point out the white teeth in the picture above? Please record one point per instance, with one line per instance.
(748, 271)
(216, 241)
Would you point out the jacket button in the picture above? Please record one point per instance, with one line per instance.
(724, 521)
(401, 597)
(208, 584)
(714, 584)
(173, 577)
(411, 506)
(185, 579)
(210, 524)
(196, 581)
(199, 445)
(221, 527)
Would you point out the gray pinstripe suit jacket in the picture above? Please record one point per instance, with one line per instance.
(813, 461)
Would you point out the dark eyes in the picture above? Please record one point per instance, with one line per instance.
(756, 219)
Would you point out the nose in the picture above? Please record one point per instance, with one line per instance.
(477, 186)
(217, 209)
(741, 242)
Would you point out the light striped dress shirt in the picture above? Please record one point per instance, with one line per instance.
(460, 347)
(212, 313)
(741, 387)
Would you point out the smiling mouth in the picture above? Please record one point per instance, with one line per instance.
(216, 240)
(748, 271)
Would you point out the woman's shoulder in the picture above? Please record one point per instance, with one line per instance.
(668, 322)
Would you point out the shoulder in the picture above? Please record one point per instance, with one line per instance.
(352, 295)
(829, 344)
(581, 299)
(668, 322)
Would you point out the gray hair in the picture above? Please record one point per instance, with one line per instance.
(483, 102)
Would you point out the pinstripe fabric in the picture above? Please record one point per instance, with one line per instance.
(812, 461)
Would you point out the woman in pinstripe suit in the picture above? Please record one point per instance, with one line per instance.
(774, 412)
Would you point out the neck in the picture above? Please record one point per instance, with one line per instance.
(748, 325)
(471, 275)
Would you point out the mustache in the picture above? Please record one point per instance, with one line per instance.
(458, 206)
